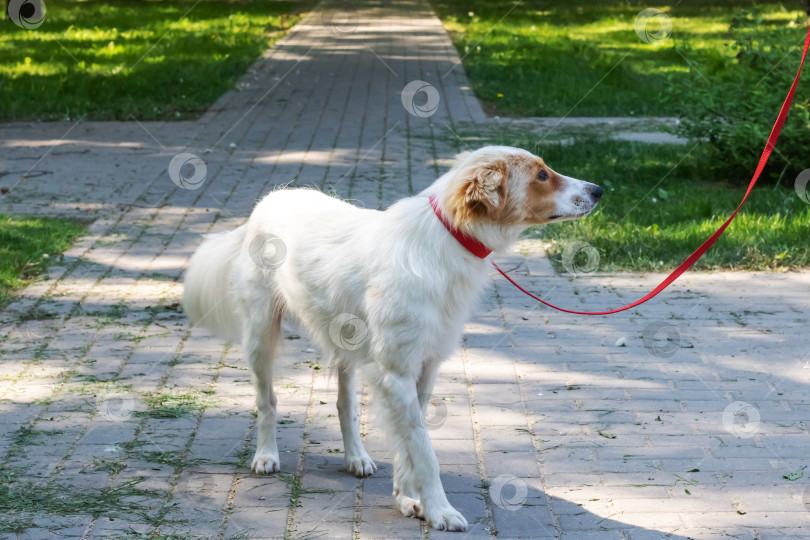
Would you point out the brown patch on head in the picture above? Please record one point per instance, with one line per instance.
(478, 192)
(533, 187)
(507, 188)
(539, 205)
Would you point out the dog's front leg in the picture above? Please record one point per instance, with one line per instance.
(405, 493)
(417, 467)
(357, 460)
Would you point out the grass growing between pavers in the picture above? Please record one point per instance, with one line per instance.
(128, 58)
(28, 245)
(659, 206)
(171, 459)
(22, 501)
(541, 58)
(28, 436)
(295, 482)
(174, 404)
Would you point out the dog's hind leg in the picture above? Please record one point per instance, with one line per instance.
(358, 461)
(260, 344)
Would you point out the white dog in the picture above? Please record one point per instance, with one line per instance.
(402, 280)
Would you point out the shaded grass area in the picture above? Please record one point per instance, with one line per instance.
(559, 57)
(28, 245)
(659, 205)
(151, 60)
(22, 501)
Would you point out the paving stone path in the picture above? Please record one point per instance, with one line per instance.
(117, 419)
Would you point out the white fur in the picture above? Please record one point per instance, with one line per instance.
(206, 299)
(575, 199)
(396, 277)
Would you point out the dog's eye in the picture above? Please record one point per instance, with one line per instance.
(542, 175)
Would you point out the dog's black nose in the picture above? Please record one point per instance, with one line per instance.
(596, 192)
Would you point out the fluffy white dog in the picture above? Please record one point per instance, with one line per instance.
(385, 292)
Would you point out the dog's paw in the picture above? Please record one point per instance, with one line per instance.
(265, 463)
(446, 519)
(360, 465)
(409, 507)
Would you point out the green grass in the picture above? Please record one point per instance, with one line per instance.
(173, 404)
(154, 60)
(28, 245)
(658, 206)
(172, 459)
(22, 499)
(559, 57)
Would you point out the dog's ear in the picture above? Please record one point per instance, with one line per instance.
(479, 192)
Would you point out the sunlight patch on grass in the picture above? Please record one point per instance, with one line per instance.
(136, 58)
(542, 62)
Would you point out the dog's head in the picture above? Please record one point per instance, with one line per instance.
(508, 186)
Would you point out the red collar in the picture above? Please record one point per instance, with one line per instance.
(470, 244)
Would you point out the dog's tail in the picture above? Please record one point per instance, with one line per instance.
(208, 299)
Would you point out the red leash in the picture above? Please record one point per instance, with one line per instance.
(691, 259)
(481, 251)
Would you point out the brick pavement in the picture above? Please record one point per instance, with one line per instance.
(118, 420)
